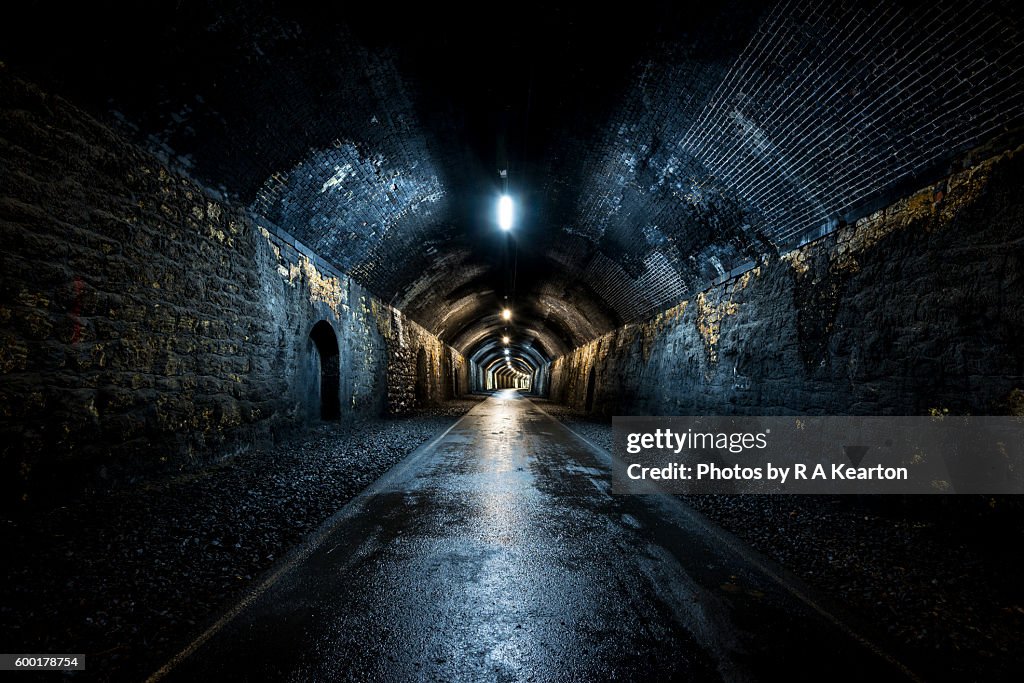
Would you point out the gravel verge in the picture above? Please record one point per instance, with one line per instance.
(128, 578)
(937, 578)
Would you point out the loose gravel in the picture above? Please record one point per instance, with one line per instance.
(128, 578)
(936, 579)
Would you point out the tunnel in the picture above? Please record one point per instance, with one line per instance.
(355, 342)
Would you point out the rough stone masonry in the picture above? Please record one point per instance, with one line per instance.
(148, 326)
(914, 309)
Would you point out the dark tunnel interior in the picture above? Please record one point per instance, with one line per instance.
(315, 316)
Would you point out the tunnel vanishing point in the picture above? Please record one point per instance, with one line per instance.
(235, 229)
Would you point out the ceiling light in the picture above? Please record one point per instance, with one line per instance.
(505, 212)
(506, 314)
(504, 340)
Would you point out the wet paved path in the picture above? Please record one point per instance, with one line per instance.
(497, 553)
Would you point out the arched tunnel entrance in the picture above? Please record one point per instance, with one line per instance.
(508, 372)
(325, 359)
(506, 361)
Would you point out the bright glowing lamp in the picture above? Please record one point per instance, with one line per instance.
(505, 212)
(506, 314)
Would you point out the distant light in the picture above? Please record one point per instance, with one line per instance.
(504, 340)
(505, 212)
(506, 314)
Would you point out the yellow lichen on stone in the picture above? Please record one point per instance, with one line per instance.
(708, 325)
(930, 207)
(744, 280)
(797, 260)
(711, 314)
(217, 234)
(964, 188)
(382, 316)
(13, 356)
(32, 299)
(213, 210)
(677, 311)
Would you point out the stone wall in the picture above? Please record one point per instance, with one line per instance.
(377, 342)
(915, 308)
(145, 325)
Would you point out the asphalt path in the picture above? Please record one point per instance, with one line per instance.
(497, 552)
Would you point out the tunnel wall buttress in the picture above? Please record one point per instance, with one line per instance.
(147, 326)
(918, 307)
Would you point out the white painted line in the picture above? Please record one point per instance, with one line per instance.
(750, 556)
(306, 548)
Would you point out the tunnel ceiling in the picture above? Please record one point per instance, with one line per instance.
(650, 151)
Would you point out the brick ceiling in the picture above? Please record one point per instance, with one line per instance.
(650, 151)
